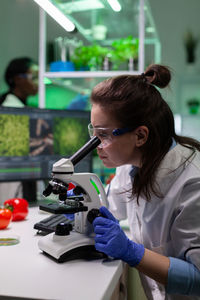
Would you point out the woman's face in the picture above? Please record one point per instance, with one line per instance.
(28, 83)
(122, 149)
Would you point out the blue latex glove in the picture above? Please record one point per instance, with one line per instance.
(107, 214)
(111, 239)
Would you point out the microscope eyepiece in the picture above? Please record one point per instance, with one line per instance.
(86, 149)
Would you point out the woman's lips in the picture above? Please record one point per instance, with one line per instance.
(102, 157)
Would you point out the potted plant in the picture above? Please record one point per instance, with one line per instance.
(193, 105)
(89, 57)
(124, 49)
(190, 43)
(97, 56)
(81, 58)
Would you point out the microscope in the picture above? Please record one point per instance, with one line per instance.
(70, 242)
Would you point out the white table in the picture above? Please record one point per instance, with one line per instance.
(25, 272)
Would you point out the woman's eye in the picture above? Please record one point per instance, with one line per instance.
(103, 134)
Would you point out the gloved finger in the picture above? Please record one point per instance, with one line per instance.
(107, 214)
(100, 239)
(102, 221)
(100, 229)
(105, 238)
(100, 247)
(108, 235)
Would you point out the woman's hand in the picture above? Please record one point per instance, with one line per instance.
(111, 239)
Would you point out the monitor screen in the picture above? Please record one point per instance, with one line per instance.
(32, 139)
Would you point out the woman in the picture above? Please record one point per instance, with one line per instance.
(21, 76)
(156, 186)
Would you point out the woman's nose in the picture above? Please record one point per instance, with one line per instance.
(100, 146)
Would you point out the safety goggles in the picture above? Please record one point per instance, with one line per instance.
(29, 76)
(106, 135)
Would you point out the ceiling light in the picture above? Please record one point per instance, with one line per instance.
(56, 14)
(115, 5)
(82, 5)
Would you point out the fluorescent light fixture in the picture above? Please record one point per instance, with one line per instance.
(115, 5)
(82, 5)
(56, 14)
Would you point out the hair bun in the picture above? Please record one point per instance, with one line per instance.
(158, 75)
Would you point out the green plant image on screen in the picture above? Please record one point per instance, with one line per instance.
(14, 135)
(70, 134)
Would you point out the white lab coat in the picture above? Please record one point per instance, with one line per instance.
(169, 226)
(12, 101)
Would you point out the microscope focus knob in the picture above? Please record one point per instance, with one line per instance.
(92, 214)
(63, 229)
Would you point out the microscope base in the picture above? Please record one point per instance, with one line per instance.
(73, 246)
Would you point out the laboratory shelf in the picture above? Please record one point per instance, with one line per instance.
(88, 74)
(135, 19)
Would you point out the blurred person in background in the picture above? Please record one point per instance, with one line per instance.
(21, 76)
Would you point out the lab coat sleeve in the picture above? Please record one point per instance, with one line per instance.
(183, 278)
(117, 193)
(185, 231)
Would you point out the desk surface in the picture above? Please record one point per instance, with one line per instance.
(27, 273)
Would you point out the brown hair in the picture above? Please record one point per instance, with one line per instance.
(134, 100)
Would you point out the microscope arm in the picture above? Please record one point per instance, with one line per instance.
(63, 244)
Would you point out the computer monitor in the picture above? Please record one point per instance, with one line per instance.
(32, 139)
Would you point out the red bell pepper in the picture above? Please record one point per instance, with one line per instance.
(5, 217)
(19, 208)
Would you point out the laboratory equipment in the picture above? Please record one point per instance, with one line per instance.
(78, 242)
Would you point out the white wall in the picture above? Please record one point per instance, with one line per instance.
(18, 31)
(173, 18)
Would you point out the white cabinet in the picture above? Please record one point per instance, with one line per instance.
(134, 18)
